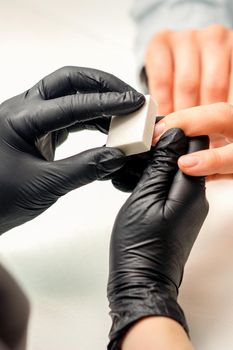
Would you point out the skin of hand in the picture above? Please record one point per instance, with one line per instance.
(190, 67)
(144, 335)
(152, 237)
(35, 122)
(214, 120)
(14, 313)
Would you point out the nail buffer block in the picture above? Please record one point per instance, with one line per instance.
(133, 133)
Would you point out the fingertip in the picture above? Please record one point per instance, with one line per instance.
(190, 171)
(159, 129)
(168, 133)
(136, 97)
(191, 165)
(194, 163)
(185, 170)
(173, 142)
(114, 152)
(141, 98)
(173, 135)
(110, 161)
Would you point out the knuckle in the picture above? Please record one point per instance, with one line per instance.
(159, 79)
(190, 33)
(158, 39)
(187, 86)
(226, 111)
(215, 159)
(160, 82)
(215, 32)
(65, 70)
(187, 34)
(161, 36)
(216, 89)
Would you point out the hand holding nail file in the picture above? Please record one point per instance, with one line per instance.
(132, 134)
(35, 122)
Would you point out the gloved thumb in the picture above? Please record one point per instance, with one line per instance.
(163, 166)
(86, 167)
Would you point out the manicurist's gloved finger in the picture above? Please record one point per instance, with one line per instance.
(190, 190)
(127, 177)
(71, 80)
(66, 111)
(83, 168)
(39, 183)
(164, 159)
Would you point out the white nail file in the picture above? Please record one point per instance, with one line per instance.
(132, 133)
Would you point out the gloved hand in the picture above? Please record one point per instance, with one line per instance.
(14, 313)
(35, 122)
(152, 237)
(127, 177)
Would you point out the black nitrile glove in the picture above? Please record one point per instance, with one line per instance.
(34, 123)
(127, 177)
(152, 237)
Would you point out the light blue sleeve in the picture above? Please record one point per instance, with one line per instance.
(152, 16)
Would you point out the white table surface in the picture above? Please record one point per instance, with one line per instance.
(61, 258)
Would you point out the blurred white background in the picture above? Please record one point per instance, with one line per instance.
(61, 258)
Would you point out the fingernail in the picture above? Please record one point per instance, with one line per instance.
(189, 161)
(159, 129)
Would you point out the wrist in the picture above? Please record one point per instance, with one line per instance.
(133, 304)
(156, 333)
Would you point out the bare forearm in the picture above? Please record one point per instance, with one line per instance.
(156, 333)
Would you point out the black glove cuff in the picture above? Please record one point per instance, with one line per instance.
(126, 312)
